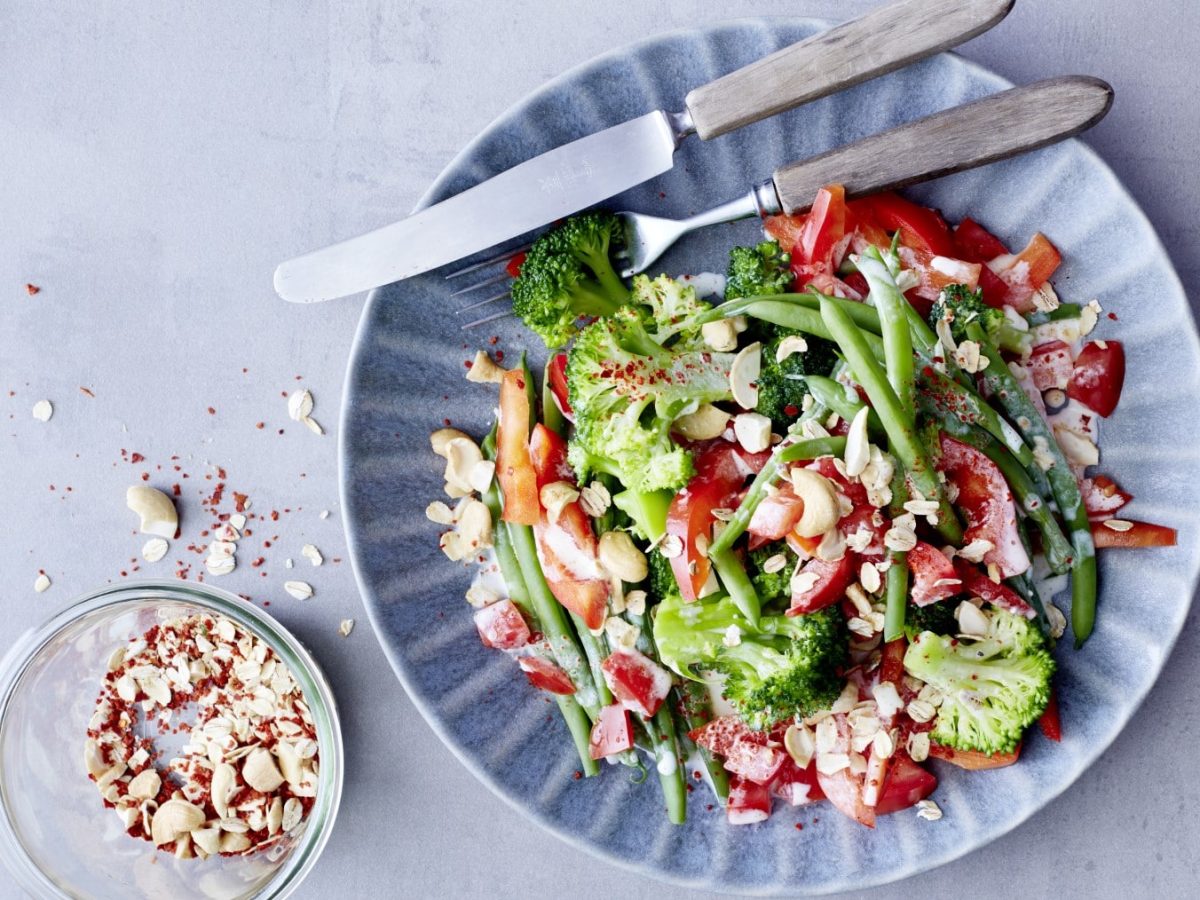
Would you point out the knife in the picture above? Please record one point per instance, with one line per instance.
(586, 171)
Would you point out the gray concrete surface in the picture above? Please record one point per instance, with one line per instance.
(157, 160)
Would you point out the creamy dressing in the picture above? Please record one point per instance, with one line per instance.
(707, 284)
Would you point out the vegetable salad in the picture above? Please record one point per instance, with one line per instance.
(797, 543)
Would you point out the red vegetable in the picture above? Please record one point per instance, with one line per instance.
(999, 595)
(796, 786)
(975, 243)
(1142, 534)
(1051, 365)
(1050, 723)
(933, 574)
(1028, 271)
(514, 470)
(754, 761)
(832, 580)
(612, 733)
(824, 227)
(1102, 496)
(906, 784)
(973, 759)
(558, 382)
(546, 675)
(776, 515)
(985, 498)
(639, 684)
(920, 227)
(719, 735)
(748, 803)
(1099, 376)
(502, 626)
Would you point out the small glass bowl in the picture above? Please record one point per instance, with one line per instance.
(56, 836)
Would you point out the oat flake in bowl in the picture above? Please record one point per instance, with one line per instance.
(248, 774)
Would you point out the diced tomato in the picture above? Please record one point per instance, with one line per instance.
(514, 470)
(1050, 723)
(995, 291)
(721, 468)
(502, 626)
(844, 791)
(891, 665)
(754, 761)
(548, 454)
(1142, 534)
(985, 498)
(854, 491)
(832, 580)
(864, 517)
(937, 272)
(1099, 376)
(973, 759)
(1000, 595)
(748, 803)
(803, 547)
(638, 683)
(795, 785)
(1051, 365)
(933, 576)
(920, 227)
(558, 382)
(1027, 271)
(513, 267)
(719, 735)
(824, 227)
(546, 675)
(612, 733)
(975, 243)
(777, 514)
(857, 283)
(906, 784)
(1102, 496)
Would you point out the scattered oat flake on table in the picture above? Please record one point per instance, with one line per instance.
(346, 627)
(42, 583)
(324, 514)
(43, 410)
(312, 554)
(301, 590)
(313, 425)
(154, 549)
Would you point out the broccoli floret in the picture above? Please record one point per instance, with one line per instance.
(993, 688)
(958, 304)
(771, 586)
(568, 273)
(672, 308)
(936, 617)
(758, 271)
(781, 386)
(625, 390)
(662, 586)
(788, 665)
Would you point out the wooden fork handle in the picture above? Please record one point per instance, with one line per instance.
(988, 130)
(875, 44)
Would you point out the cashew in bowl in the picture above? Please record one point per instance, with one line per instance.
(821, 511)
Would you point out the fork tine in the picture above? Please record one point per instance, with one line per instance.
(486, 319)
(479, 303)
(507, 254)
(495, 279)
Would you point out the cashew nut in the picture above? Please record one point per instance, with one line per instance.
(820, 502)
(462, 455)
(440, 438)
(705, 423)
(743, 375)
(620, 557)
(720, 335)
(555, 497)
(483, 370)
(260, 772)
(174, 819)
(145, 785)
(155, 510)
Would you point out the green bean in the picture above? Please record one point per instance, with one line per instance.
(1020, 409)
(741, 589)
(695, 706)
(897, 421)
(842, 400)
(663, 736)
(1060, 313)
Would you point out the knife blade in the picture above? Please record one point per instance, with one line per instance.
(601, 165)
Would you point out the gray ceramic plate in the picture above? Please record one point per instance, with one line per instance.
(405, 377)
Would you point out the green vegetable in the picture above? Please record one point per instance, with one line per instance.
(782, 385)
(568, 273)
(1059, 313)
(786, 666)
(771, 587)
(843, 401)
(695, 706)
(936, 617)
(993, 688)
(672, 309)
(960, 305)
(759, 270)
(897, 421)
(1020, 409)
(647, 510)
(626, 390)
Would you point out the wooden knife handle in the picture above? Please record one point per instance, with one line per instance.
(875, 44)
(994, 128)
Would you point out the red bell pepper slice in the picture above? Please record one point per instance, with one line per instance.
(974, 759)
(933, 574)
(920, 227)
(907, 783)
(975, 243)
(1142, 534)
(1050, 723)
(546, 676)
(514, 469)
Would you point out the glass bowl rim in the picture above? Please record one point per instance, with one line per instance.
(317, 692)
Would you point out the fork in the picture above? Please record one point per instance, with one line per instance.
(998, 127)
